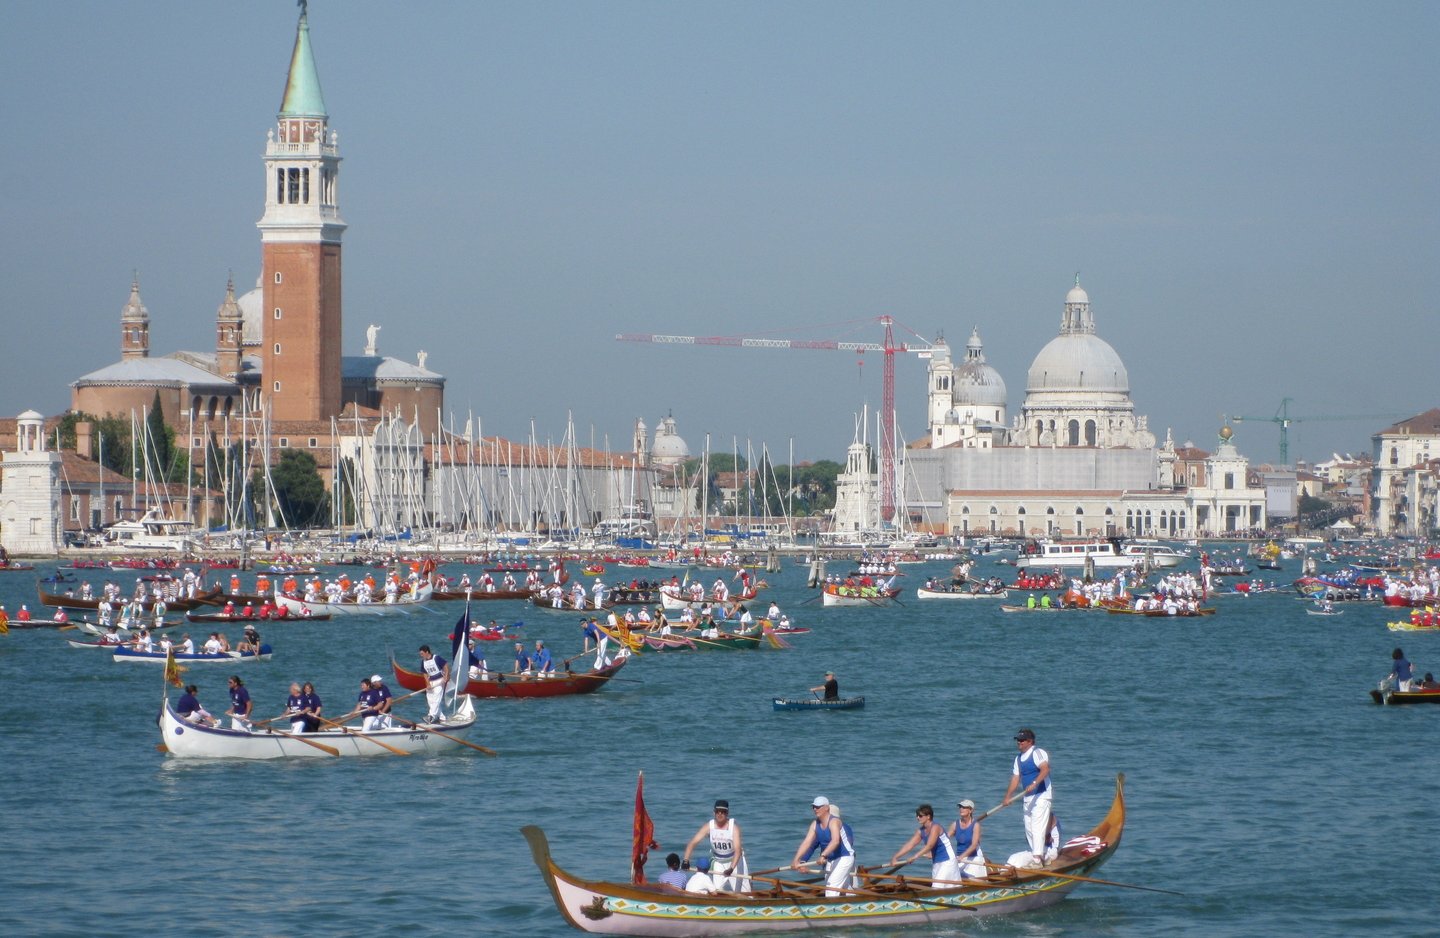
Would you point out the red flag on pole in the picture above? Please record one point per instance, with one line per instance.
(643, 834)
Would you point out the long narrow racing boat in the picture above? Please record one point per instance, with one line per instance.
(126, 653)
(503, 686)
(834, 594)
(611, 908)
(304, 609)
(59, 600)
(186, 740)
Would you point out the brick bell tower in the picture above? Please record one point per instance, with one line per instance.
(300, 250)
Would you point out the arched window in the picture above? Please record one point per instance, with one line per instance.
(1090, 433)
(1072, 433)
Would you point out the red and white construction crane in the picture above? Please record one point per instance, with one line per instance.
(888, 442)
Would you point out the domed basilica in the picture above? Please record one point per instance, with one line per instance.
(1076, 460)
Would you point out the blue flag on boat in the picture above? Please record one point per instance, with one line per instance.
(460, 656)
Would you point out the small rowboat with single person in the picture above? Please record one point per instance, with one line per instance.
(515, 686)
(124, 653)
(882, 904)
(819, 703)
(185, 740)
(1324, 612)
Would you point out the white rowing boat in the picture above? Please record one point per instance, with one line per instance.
(185, 740)
(300, 608)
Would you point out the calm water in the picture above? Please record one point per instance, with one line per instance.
(1261, 781)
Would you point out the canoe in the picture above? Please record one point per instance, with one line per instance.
(1162, 614)
(222, 619)
(1008, 607)
(174, 605)
(123, 653)
(923, 593)
(508, 686)
(80, 643)
(1324, 612)
(185, 740)
(94, 628)
(816, 703)
(1393, 697)
(845, 596)
(301, 609)
(38, 623)
(621, 908)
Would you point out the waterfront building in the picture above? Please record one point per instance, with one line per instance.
(1403, 480)
(30, 519)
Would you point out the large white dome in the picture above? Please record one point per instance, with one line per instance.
(669, 448)
(1078, 361)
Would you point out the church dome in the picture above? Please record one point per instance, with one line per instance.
(975, 381)
(1078, 361)
(253, 328)
(668, 447)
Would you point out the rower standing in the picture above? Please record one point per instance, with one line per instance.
(1031, 774)
(729, 869)
(437, 674)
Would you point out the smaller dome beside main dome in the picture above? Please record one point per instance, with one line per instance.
(976, 382)
(1077, 294)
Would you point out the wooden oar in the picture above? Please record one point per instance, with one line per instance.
(309, 742)
(430, 729)
(365, 736)
(865, 893)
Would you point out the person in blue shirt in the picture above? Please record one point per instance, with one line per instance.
(1401, 671)
(188, 707)
(932, 838)
(1031, 774)
(310, 707)
(673, 875)
(835, 843)
(544, 666)
(383, 700)
(522, 659)
(240, 704)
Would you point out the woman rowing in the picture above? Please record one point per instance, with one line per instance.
(932, 838)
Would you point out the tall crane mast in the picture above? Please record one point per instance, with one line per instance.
(1283, 420)
(888, 443)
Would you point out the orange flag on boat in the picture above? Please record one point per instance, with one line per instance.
(643, 835)
(173, 670)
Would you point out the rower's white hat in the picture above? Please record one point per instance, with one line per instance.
(820, 801)
(376, 679)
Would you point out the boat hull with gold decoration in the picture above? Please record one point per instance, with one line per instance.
(610, 908)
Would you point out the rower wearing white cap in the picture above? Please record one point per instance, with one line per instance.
(965, 835)
(834, 841)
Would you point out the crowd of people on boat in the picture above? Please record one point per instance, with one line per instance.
(954, 849)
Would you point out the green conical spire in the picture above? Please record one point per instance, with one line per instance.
(302, 87)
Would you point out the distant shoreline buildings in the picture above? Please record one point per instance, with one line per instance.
(1075, 461)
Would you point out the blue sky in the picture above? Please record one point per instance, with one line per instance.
(1247, 190)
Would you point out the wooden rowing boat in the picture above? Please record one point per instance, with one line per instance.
(480, 595)
(615, 908)
(817, 703)
(505, 686)
(60, 600)
(960, 593)
(836, 595)
(185, 740)
(697, 641)
(540, 601)
(223, 619)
